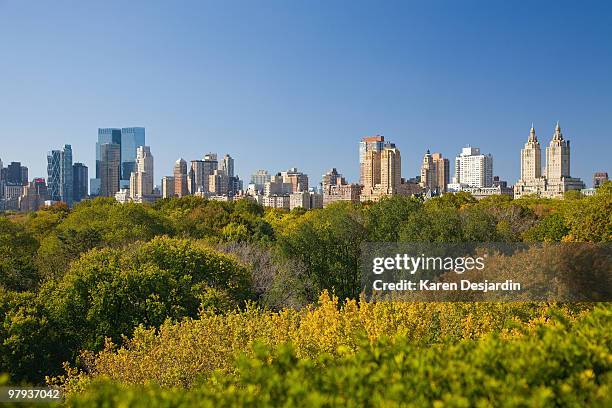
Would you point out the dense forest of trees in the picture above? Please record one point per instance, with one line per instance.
(73, 281)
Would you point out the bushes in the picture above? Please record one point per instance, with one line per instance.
(559, 363)
(179, 353)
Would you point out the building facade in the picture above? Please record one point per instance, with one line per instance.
(381, 171)
(305, 199)
(180, 178)
(368, 144)
(297, 179)
(435, 172)
(167, 187)
(105, 136)
(110, 169)
(556, 179)
(60, 175)
(80, 178)
(131, 139)
(141, 180)
(472, 169)
(599, 178)
(259, 180)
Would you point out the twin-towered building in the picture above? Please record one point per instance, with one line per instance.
(555, 180)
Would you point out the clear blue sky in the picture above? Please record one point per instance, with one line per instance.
(297, 83)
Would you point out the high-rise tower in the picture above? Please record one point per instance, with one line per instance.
(110, 169)
(531, 158)
(60, 175)
(180, 178)
(141, 180)
(558, 156)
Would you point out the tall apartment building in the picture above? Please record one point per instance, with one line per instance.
(167, 187)
(34, 195)
(434, 172)
(110, 169)
(227, 165)
(180, 178)
(381, 171)
(556, 180)
(305, 199)
(599, 178)
(141, 180)
(390, 170)
(219, 183)
(297, 179)
(80, 179)
(60, 175)
(368, 144)
(15, 174)
(259, 180)
(200, 172)
(335, 188)
(472, 169)
(277, 186)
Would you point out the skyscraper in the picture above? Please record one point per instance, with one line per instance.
(105, 136)
(531, 158)
(259, 179)
(390, 170)
(558, 156)
(180, 178)
(60, 175)
(228, 165)
(110, 169)
(80, 178)
(381, 171)
(131, 139)
(167, 187)
(434, 172)
(368, 144)
(15, 174)
(141, 180)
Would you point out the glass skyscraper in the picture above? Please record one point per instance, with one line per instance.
(105, 136)
(131, 139)
(128, 140)
(60, 175)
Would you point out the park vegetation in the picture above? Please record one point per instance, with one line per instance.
(189, 300)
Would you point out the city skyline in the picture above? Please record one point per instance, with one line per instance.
(157, 179)
(303, 83)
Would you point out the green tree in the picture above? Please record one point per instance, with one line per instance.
(107, 292)
(590, 218)
(17, 252)
(31, 346)
(328, 242)
(385, 218)
(551, 228)
(98, 223)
